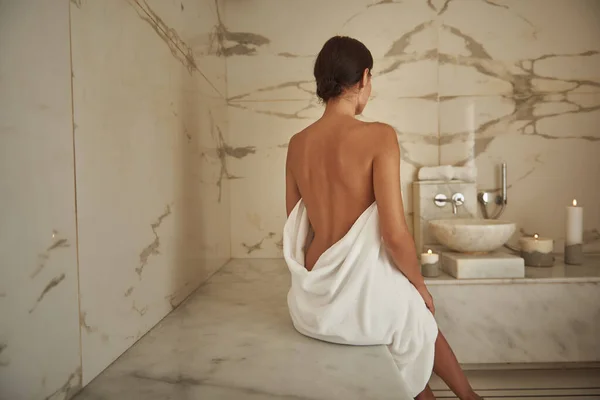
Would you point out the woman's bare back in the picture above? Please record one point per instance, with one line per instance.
(339, 166)
(332, 164)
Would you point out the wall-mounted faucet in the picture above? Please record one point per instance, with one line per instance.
(457, 200)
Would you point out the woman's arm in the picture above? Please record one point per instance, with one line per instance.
(292, 193)
(386, 181)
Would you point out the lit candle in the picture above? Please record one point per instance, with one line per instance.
(574, 235)
(537, 251)
(430, 264)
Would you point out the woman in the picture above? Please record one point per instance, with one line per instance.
(355, 274)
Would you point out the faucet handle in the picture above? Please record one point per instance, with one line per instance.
(440, 200)
(458, 199)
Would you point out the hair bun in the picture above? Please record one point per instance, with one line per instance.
(328, 88)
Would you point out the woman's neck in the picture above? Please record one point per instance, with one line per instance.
(342, 106)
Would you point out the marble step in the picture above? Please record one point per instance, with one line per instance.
(574, 383)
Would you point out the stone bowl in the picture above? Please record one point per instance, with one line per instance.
(472, 235)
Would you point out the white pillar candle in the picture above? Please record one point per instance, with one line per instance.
(574, 235)
(574, 224)
(429, 257)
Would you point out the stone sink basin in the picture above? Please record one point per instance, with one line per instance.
(472, 235)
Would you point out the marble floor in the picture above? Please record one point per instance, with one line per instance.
(233, 339)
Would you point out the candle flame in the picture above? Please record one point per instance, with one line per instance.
(429, 251)
(536, 236)
(574, 202)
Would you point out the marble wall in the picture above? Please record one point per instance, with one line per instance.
(462, 81)
(39, 313)
(114, 176)
(151, 158)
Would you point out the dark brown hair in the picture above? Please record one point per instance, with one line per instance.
(340, 65)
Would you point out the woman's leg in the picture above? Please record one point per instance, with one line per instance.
(446, 366)
(426, 394)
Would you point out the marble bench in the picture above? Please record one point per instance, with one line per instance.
(233, 339)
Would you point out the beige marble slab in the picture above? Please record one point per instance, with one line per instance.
(492, 266)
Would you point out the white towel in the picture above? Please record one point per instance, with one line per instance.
(355, 295)
(448, 173)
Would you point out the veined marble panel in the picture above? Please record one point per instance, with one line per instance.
(399, 77)
(270, 78)
(258, 204)
(386, 28)
(150, 135)
(519, 47)
(276, 78)
(402, 37)
(39, 319)
(195, 30)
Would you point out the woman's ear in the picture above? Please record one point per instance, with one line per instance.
(365, 78)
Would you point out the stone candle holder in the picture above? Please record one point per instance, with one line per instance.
(432, 270)
(537, 259)
(574, 254)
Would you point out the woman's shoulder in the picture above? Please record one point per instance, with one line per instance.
(297, 137)
(379, 132)
(379, 138)
(380, 128)
(294, 144)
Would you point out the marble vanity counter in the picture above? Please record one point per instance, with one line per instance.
(559, 273)
(550, 316)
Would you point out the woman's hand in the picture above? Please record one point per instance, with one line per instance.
(422, 289)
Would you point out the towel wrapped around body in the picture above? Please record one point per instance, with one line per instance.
(355, 295)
